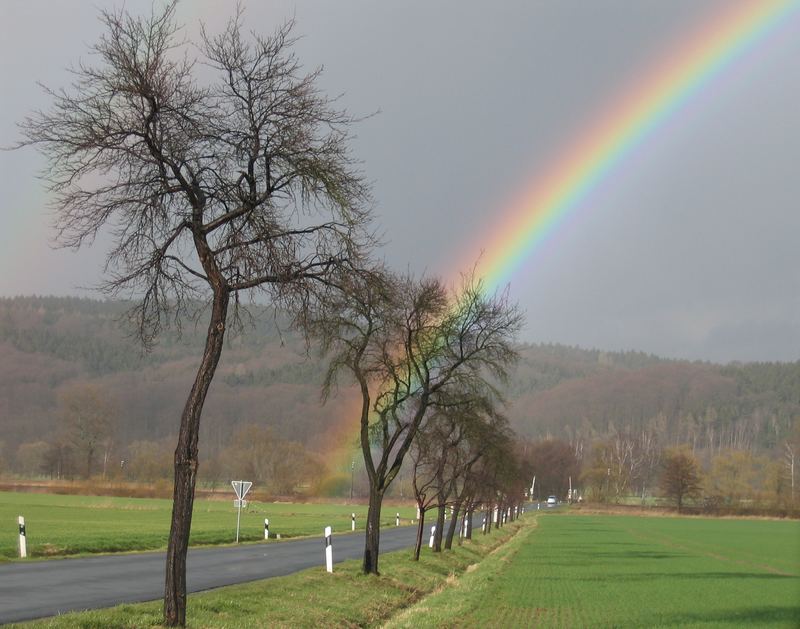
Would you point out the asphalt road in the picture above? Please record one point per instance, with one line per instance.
(46, 588)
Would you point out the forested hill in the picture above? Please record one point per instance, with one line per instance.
(49, 345)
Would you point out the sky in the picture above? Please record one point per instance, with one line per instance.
(688, 248)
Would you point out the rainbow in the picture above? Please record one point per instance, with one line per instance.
(669, 85)
(635, 117)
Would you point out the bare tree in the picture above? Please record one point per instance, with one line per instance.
(459, 431)
(789, 460)
(681, 477)
(276, 465)
(486, 434)
(217, 169)
(89, 418)
(791, 447)
(429, 455)
(447, 445)
(552, 461)
(498, 482)
(405, 342)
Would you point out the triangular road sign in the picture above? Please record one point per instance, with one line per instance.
(241, 487)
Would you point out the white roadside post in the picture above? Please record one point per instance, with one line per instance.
(241, 487)
(23, 544)
(328, 550)
(397, 519)
(483, 526)
(266, 528)
(352, 521)
(433, 533)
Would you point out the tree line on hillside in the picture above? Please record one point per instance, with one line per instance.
(557, 391)
(442, 467)
(743, 407)
(98, 337)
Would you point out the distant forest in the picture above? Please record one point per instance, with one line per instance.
(60, 356)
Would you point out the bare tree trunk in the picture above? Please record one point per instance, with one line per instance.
(372, 546)
(468, 523)
(186, 467)
(437, 536)
(451, 530)
(420, 534)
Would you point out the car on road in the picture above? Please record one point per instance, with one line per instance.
(552, 501)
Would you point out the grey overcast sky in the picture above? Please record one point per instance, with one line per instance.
(688, 250)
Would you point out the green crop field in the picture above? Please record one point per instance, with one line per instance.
(620, 571)
(60, 525)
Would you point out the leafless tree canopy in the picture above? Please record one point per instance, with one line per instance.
(411, 346)
(240, 181)
(208, 187)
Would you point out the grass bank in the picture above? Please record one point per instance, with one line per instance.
(618, 571)
(311, 598)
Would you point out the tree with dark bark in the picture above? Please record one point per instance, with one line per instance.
(217, 169)
(681, 476)
(453, 439)
(406, 342)
(488, 437)
(553, 462)
(88, 419)
(428, 457)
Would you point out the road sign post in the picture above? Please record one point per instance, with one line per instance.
(23, 542)
(241, 487)
(328, 550)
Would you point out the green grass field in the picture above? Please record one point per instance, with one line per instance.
(621, 571)
(60, 525)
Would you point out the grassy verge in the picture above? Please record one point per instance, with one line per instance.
(616, 571)
(311, 598)
(61, 525)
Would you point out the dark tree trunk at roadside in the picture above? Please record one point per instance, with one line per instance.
(437, 536)
(420, 534)
(451, 530)
(373, 534)
(186, 467)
